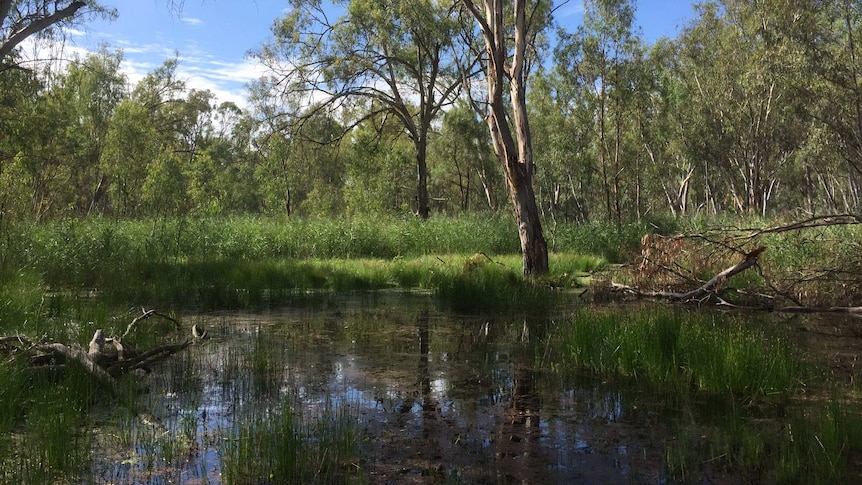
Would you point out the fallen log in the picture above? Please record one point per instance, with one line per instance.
(104, 359)
(705, 290)
(77, 355)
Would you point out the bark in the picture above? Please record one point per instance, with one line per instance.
(512, 143)
(423, 209)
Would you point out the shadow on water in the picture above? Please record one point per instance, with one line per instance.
(410, 393)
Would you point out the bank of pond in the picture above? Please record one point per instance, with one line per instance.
(405, 387)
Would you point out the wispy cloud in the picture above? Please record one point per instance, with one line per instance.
(198, 68)
(570, 8)
(191, 20)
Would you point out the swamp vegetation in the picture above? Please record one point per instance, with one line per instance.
(399, 350)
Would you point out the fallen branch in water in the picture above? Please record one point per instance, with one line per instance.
(104, 359)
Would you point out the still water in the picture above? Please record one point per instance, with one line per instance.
(432, 396)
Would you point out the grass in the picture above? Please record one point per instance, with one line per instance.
(818, 444)
(43, 432)
(680, 351)
(746, 375)
(280, 446)
(253, 262)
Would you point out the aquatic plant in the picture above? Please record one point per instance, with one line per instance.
(678, 350)
(281, 446)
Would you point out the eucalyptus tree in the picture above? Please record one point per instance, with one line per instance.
(378, 174)
(740, 121)
(568, 186)
(602, 54)
(823, 41)
(19, 96)
(509, 54)
(669, 179)
(88, 93)
(299, 171)
(464, 167)
(399, 57)
(22, 19)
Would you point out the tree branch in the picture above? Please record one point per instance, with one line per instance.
(37, 25)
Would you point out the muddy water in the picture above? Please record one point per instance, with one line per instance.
(436, 398)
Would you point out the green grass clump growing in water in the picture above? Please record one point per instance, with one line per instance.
(282, 446)
(682, 351)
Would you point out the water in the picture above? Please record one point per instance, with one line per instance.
(434, 397)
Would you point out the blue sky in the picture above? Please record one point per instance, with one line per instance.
(212, 37)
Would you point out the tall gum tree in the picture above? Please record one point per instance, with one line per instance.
(508, 66)
(402, 58)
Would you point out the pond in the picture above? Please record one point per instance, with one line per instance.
(395, 389)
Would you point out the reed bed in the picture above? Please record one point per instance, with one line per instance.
(681, 351)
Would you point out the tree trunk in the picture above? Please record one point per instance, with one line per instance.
(422, 179)
(534, 248)
(512, 143)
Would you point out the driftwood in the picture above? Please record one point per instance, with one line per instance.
(104, 359)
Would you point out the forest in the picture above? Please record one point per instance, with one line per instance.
(754, 109)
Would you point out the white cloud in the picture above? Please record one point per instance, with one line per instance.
(225, 79)
(198, 68)
(191, 20)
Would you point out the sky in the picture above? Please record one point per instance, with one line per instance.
(211, 38)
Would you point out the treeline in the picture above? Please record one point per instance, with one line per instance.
(756, 108)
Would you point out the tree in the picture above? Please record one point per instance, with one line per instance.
(506, 114)
(603, 56)
(826, 73)
(88, 92)
(399, 57)
(464, 168)
(20, 20)
(562, 137)
(740, 122)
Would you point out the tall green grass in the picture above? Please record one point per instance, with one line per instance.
(682, 351)
(813, 444)
(81, 252)
(44, 434)
(280, 446)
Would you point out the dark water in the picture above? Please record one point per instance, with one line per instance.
(436, 398)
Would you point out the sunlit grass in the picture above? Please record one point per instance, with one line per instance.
(682, 351)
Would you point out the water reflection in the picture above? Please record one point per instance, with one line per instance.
(436, 397)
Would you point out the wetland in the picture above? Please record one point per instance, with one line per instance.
(396, 388)
(407, 352)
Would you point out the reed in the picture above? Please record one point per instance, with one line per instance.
(679, 351)
(280, 446)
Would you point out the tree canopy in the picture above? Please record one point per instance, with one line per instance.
(754, 108)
